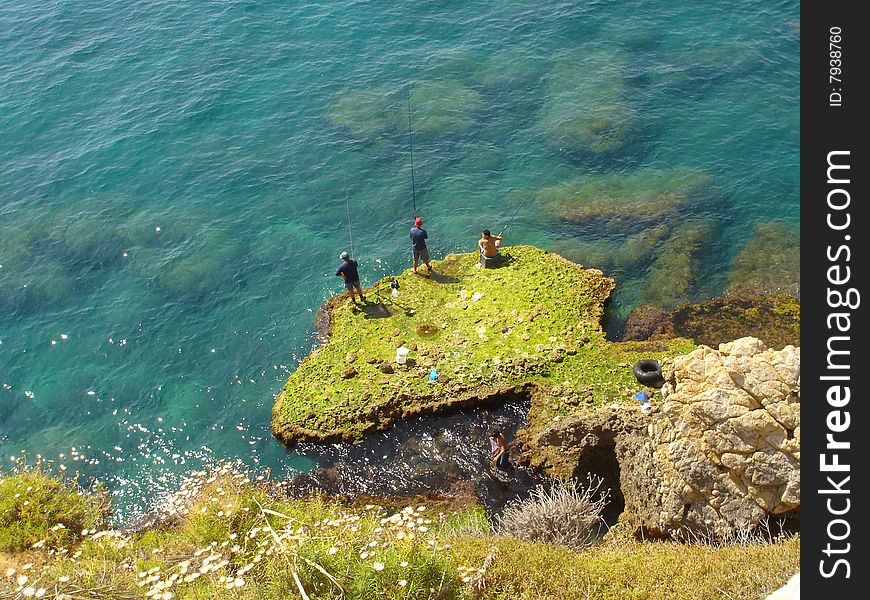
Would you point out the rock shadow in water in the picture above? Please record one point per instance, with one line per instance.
(424, 455)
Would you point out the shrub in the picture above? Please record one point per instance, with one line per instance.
(567, 514)
(39, 509)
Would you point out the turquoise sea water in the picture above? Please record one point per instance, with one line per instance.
(176, 176)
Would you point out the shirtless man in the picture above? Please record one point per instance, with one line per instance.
(489, 244)
(499, 452)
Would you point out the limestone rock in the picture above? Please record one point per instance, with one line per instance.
(722, 451)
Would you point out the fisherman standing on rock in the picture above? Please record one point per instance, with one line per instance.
(348, 271)
(420, 252)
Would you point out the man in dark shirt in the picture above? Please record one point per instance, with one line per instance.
(347, 271)
(418, 237)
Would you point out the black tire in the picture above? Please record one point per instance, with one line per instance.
(649, 372)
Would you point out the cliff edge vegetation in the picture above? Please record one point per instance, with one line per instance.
(231, 533)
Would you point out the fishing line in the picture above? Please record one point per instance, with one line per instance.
(516, 212)
(349, 226)
(411, 147)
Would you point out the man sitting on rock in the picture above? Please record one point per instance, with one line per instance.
(489, 245)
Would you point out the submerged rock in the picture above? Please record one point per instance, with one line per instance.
(607, 253)
(367, 113)
(642, 198)
(209, 265)
(587, 109)
(702, 65)
(440, 108)
(672, 273)
(444, 107)
(769, 264)
(508, 69)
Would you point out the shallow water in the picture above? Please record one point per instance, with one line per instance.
(426, 454)
(177, 177)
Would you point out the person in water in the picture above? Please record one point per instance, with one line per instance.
(348, 271)
(419, 250)
(489, 245)
(499, 453)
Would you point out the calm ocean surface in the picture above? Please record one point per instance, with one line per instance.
(174, 179)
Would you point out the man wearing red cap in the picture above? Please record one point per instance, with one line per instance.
(418, 237)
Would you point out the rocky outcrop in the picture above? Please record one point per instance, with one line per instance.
(479, 329)
(719, 453)
(726, 444)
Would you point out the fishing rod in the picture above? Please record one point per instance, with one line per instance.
(516, 212)
(411, 147)
(349, 226)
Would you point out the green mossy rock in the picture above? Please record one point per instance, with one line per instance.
(531, 325)
(774, 319)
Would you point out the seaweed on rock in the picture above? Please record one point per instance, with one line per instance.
(769, 264)
(773, 319)
(641, 198)
(672, 273)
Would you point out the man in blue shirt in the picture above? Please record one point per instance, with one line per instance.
(418, 237)
(347, 271)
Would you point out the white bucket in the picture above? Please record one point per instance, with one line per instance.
(401, 355)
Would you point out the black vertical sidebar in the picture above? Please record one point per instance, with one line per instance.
(835, 347)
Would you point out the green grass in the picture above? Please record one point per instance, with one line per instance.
(37, 508)
(631, 570)
(231, 535)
